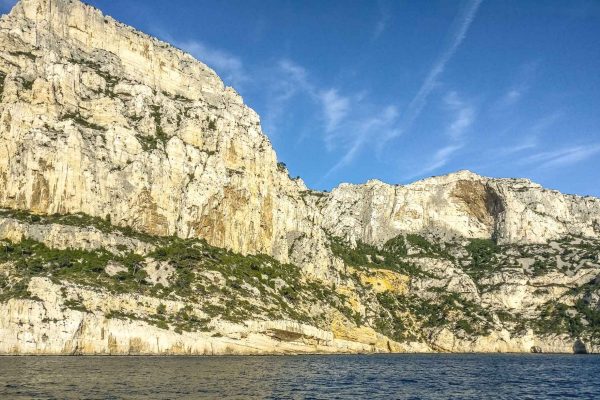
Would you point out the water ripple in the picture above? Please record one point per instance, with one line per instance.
(442, 376)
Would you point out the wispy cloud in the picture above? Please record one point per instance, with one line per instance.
(546, 122)
(462, 116)
(440, 158)
(361, 131)
(526, 143)
(285, 80)
(517, 89)
(296, 72)
(227, 65)
(527, 139)
(382, 21)
(335, 108)
(351, 120)
(390, 125)
(563, 157)
(511, 97)
(457, 36)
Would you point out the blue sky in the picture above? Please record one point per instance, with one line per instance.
(401, 90)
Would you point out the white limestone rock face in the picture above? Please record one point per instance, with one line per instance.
(46, 326)
(62, 237)
(99, 118)
(460, 204)
(533, 214)
(443, 275)
(503, 342)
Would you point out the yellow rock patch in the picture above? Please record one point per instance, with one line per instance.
(383, 280)
(352, 299)
(363, 334)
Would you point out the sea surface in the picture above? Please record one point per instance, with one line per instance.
(439, 376)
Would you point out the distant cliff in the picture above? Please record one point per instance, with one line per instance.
(142, 210)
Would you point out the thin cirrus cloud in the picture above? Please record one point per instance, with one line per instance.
(363, 119)
(462, 116)
(527, 143)
(440, 158)
(458, 34)
(382, 21)
(525, 75)
(511, 97)
(530, 138)
(391, 125)
(283, 82)
(350, 122)
(563, 157)
(362, 131)
(348, 118)
(293, 79)
(228, 65)
(335, 108)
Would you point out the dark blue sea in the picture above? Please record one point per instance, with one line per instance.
(446, 376)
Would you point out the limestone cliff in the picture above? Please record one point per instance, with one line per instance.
(461, 204)
(101, 119)
(143, 210)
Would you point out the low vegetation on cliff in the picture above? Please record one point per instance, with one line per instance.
(430, 285)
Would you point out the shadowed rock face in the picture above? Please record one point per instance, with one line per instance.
(479, 200)
(579, 347)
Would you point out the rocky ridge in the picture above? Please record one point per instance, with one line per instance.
(151, 201)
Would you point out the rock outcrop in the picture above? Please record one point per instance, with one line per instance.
(45, 326)
(143, 210)
(60, 236)
(460, 204)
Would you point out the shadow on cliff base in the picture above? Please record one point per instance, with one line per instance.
(579, 347)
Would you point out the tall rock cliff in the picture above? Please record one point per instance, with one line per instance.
(102, 119)
(143, 210)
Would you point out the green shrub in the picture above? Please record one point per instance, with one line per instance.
(396, 246)
(482, 253)
(79, 220)
(27, 85)
(391, 256)
(75, 305)
(79, 120)
(419, 241)
(539, 268)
